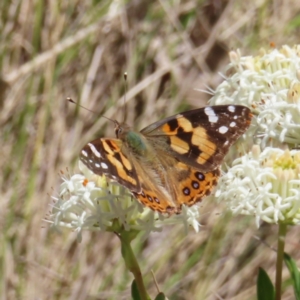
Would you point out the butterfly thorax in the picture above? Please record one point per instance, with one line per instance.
(133, 140)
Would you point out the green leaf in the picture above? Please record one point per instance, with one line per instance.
(160, 296)
(265, 288)
(134, 291)
(295, 274)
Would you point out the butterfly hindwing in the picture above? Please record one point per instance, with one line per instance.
(155, 197)
(190, 186)
(194, 185)
(104, 157)
(201, 137)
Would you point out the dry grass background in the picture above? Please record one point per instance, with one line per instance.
(50, 50)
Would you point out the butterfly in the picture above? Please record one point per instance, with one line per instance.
(172, 162)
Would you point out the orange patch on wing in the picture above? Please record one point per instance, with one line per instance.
(199, 133)
(166, 128)
(185, 124)
(207, 147)
(125, 162)
(197, 188)
(120, 169)
(178, 145)
(208, 150)
(156, 200)
(107, 148)
(203, 158)
(182, 166)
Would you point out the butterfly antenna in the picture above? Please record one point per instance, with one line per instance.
(72, 101)
(126, 87)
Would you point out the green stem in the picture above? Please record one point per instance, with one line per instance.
(132, 264)
(280, 252)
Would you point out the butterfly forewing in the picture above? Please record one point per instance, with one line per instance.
(201, 137)
(104, 157)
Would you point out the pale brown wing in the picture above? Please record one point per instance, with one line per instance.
(154, 190)
(167, 184)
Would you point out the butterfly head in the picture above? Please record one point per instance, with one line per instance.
(121, 130)
(132, 139)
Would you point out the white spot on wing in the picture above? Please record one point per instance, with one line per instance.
(223, 129)
(231, 108)
(209, 111)
(97, 165)
(232, 124)
(212, 117)
(94, 150)
(84, 153)
(104, 165)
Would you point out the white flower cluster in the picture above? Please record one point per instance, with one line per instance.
(265, 184)
(89, 202)
(269, 84)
